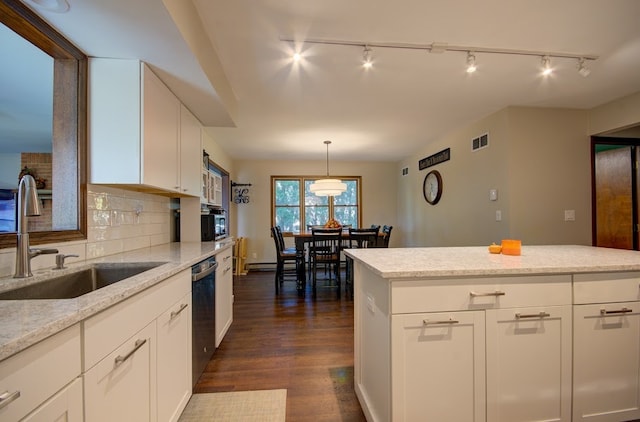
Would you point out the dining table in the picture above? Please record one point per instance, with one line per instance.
(304, 237)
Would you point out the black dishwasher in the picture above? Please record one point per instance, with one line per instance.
(203, 297)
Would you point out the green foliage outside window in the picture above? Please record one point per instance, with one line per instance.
(294, 215)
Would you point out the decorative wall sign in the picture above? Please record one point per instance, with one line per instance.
(241, 194)
(437, 158)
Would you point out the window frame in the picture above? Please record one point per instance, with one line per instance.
(301, 196)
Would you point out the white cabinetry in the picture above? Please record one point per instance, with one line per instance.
(463, 349)
(190, 152)
(121, 386)
(606, 385)
(135, 121)
(174, 360)
(447, 347)
(529, 364)
(224, 294)
(24, 387)
(211, 188)
(124, 348)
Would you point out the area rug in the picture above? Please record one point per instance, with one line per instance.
(237, 406)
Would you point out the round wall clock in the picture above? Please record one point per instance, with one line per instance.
(432, 187)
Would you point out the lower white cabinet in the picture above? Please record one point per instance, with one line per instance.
(122, 386)
(607, 362)
(174, 360)
(65, 406)
(437, 357)
(137, 355)
(30, 379)
(224, 294)
(529, 364)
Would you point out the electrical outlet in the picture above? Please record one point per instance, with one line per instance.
(569, 215)
(254, 255)
(498, 215)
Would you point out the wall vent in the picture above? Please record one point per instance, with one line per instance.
(480, 142)
(405, 171)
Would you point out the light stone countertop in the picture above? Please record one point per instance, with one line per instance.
(414, 263)
(26, 322)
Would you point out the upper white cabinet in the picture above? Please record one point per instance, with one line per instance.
(190, 152)
(139, 133)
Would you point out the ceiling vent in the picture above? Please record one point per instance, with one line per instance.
(480, 142)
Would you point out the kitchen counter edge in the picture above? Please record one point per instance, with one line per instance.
(24, 323)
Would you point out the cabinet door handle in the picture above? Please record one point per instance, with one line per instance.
(226, 258)
(6, 398)
(538, 315)
(226, 270)
(121, 359)
(446, 321)
(618, 311)
(176, 313)
(496, 293)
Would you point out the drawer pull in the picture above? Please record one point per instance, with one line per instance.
(6, 398)
(176, 313)
(226, 270)
(496, 293)
(446, 321)
(121, 359)
(226, 258)
(619, 311)
(538, 315)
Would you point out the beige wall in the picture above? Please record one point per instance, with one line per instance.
(537, 159)
(254, 219)
(618, 114)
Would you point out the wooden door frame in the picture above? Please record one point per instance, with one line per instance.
(634, 143)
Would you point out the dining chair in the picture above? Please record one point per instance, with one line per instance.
(324, 251)
(358, 239)
(383, 241)
(283, 247)
(283, 257)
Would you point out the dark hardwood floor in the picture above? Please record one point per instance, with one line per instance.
(300, 343)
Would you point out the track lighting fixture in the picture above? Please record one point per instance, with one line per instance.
(440, 47)
(366, 58)
(546, 66)
(471, 62)
(582, 68)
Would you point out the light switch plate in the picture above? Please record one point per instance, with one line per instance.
(493, 194)
(569, 215)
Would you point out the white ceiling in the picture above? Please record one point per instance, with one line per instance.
(409, 98)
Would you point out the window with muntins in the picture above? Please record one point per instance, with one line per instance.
(295, 208)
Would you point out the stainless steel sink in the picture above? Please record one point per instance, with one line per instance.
(78, 283)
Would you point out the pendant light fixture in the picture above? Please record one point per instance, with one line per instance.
(328, 186)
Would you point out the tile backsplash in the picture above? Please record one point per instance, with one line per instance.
(118, 220)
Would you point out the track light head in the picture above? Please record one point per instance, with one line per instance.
(546, 66)
(367, 63)
(582, 67)
(471, 62)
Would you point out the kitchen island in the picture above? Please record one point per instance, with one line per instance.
(459, 334)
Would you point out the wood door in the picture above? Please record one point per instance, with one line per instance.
(614, 198)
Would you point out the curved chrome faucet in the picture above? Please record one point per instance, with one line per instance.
(28, 206)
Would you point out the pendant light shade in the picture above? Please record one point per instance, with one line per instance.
(328, 186)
